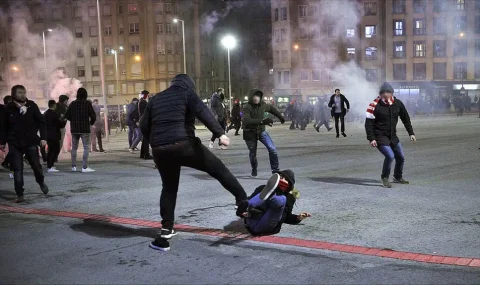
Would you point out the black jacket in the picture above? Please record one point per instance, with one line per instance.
(142, 106)
(253, 115)
(21, 130)
(343, 101)
(383, 128)
(236, 112)
(54, 124)
(287, 216)
(81, 115)
(217, 107)
(133, 117)
(170, 115)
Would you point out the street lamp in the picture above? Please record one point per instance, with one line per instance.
(296, 47)
(461, 34)
(229, 42)
(183, 39)
(138, 58)
(15, 68)
(102, 69)
(117, 79)
(45, 50)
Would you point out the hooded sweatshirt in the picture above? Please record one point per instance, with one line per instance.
(253, 115)
(170, 115)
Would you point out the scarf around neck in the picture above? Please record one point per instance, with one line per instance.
(373, 105)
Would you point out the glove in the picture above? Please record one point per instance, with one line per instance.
(267, 121)
(282, 121)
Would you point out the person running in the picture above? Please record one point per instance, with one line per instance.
(22, 121)
(271, 205)
(169, 123)
(340, 107)
(142, 105)
(254, 129)
(217, 107)
(81, 115)
(54, 134)
(321, 115)
(236, 119)
(381, 128)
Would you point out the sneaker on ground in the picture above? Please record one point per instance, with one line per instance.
(168, 233)
(52, 170)
(222, 147)
(241, 207)
(210, 145)
(400, 181)
(254, 173)
(317, 128)
(88, 169)
(74, 168)
(344, 135)
(270, 187)
(131, 150)
(19, 199)
(386, 183)
(44, 188)
(160, 244)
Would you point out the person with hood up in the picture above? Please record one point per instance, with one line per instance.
(236, 119)
(142, 106)
(81, 115)
(381, 128)
(321, 115)
(338, 102)
(271, 205)
(254, 124)
(61, 109)
(169, 124)
(217, 106)
(21, 123)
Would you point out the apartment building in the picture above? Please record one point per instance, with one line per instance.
(148, 42)
(308, 42)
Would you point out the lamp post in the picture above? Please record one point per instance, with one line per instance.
(45, 51)
(229, 42)
(102, 73)
(117, 79)
(183, 39)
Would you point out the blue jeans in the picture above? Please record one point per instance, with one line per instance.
(392, 152)
(137, 137)
(266, 140)
(273, 209)
(86, 148)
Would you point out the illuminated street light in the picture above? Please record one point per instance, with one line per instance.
(296, 47)
(175, 20)
(15, 68)
(120, 47)
(138, 58)
(461, 34)
(183, 39)
(229, 42)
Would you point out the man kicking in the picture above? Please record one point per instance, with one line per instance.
(271, 205)
(381, 128)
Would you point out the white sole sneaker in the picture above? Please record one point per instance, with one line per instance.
(170, 235)
(270, 187)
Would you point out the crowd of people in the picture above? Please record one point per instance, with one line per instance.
(166, 123)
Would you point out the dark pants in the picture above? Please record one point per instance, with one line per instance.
(223, 124)
(43, 152)
(392, 152)
(340, 117)
(169, 160)
(97, 136)
(235, 124)
(16, 161)
(267, 141)
(53, 151)
(145, 149)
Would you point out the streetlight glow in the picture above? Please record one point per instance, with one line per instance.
(296, 47)
(175, 20)
(120, 47)
(462, 34)
(138, 58)
(15, 68)
(229, 42)
(113, 51)
(49, 30)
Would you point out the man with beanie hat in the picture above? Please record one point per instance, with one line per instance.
(381, 127)
(271, 205)
(81, 115)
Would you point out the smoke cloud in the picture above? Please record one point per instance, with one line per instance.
(210, 19)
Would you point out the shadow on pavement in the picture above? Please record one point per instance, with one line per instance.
(347, 180)
(108, 230)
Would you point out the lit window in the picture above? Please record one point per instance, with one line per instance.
(370, 31)
(132, 8)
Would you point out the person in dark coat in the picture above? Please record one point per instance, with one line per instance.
(271, 205)
(22, 121)
(142, 106)
(5, 164)
(236, 119)
(97, 128)
(340, 107)
(254, 123)
(381, 128)
(217, 107)
(132, 135)
(321, 115)
(169, 124)
(54, 134)
(61, 109)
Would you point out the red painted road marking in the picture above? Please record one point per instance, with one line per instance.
(403, 255)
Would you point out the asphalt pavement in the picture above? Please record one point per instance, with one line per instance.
(437, 214)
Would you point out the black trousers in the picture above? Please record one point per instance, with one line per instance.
(340, 117)
(170, 159)
(16, 162)
(53, 151)
(97, 133)
(235, 124)
(223, 124)
(145, 149)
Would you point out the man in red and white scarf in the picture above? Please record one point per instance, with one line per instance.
(381, 127)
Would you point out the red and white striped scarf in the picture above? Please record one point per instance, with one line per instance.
(373, 105)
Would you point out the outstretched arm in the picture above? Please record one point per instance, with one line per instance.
(272, 110)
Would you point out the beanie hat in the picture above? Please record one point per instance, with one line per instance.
(386, 87)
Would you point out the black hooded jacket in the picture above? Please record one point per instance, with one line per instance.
(253, 115)
(170, 115)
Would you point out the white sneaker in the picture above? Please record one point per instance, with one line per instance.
(210, 145)
(88, 169)
(74, 168)
(131, 150)
(52, 170)
(222, 147)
